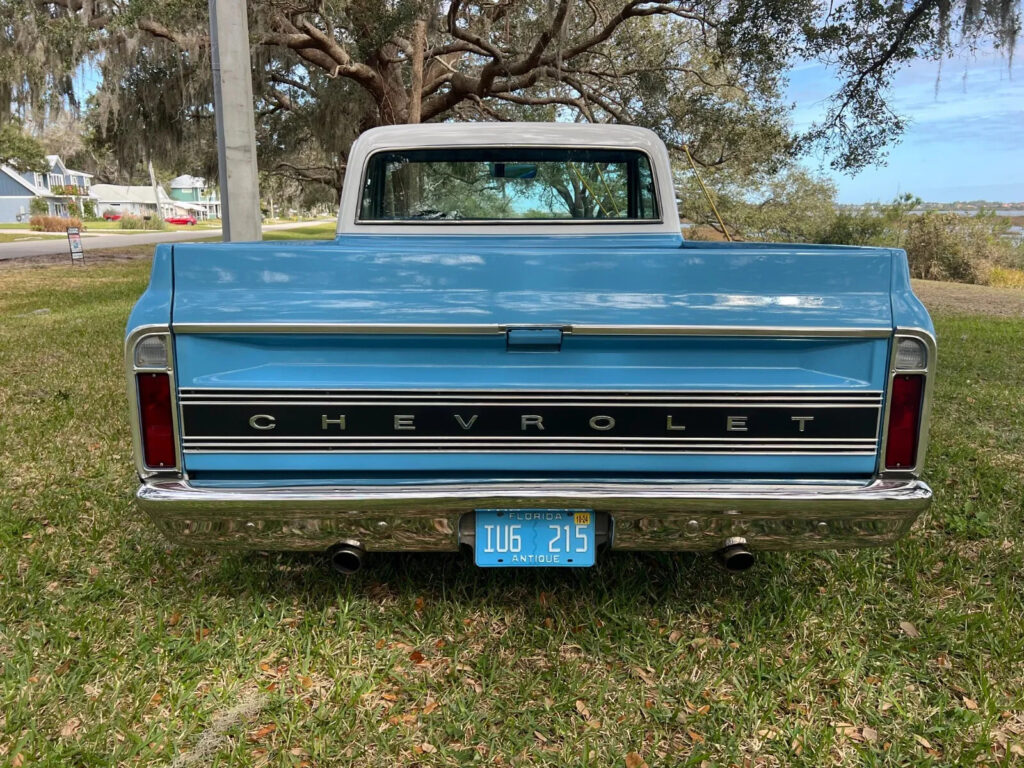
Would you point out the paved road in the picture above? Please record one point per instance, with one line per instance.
(59, 245)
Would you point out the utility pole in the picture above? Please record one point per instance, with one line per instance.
(236, 129)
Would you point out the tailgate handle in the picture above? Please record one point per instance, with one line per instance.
(533, 339)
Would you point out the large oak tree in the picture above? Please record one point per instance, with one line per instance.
(707, 73)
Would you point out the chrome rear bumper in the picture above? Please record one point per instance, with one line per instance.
(635, 516)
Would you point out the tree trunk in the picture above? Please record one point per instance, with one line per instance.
(419, 38)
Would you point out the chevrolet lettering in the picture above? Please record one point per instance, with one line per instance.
(509, 348)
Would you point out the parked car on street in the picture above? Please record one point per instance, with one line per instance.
(189, 219)
(111, 216)
(509, 348)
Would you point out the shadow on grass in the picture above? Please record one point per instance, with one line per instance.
(686, 581)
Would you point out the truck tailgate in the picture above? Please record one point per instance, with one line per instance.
(376, 357)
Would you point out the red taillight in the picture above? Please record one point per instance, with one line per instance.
(155, 414)
(904, 421)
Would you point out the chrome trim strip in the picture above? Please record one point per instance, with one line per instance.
(471, 329)
(292, 395)
(647, 516)
(529, 438)
(570, 404)
(299, 448)
(926, 401)
(134, 418)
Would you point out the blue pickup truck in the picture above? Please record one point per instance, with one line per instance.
(509, 347)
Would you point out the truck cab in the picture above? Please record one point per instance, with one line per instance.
(510, 348)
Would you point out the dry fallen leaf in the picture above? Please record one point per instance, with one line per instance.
(174, 619)
(18, 761)
(869, 733)
(263, 732)
(909, 629)
(673, 637)
(70, 728)
(970, 703)
(633, 760)
(643, 675)
(922, 741)
(582, 709)
(430, 707)
(428, 747)
(416, 657)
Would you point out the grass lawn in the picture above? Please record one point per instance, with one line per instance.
(118, 649)
(323, 230)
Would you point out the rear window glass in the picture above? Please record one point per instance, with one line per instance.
(508, 184)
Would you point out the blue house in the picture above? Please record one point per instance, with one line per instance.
(58, 187)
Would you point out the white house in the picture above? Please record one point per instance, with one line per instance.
(139, 201)
(58, 187)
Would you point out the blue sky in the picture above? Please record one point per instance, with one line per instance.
(964, 142)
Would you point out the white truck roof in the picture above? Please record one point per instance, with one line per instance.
(576, 135)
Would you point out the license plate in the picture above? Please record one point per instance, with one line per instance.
(525, 538)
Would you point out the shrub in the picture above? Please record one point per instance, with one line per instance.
(38, 207)
(53, 223)
(137, 222)
(1006, 277)
(962, 249)
(89, 209)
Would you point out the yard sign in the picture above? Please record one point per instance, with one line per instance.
(75, 244)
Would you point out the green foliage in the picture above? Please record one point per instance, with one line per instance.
(963, 249)
(797, 207)
(791, 206)
(89, 209)
(139, 222)
(37, 206)
(879, 224)
(709, 75)
(20, 151)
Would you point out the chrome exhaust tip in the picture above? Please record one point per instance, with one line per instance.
(734, 555)
(346, 558)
